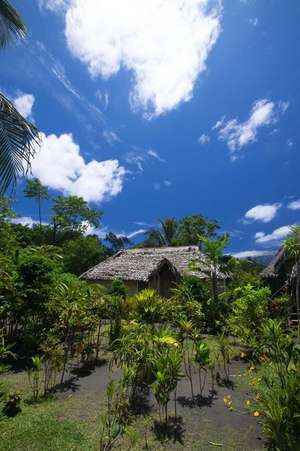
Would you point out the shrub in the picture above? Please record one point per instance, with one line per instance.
(250, 309)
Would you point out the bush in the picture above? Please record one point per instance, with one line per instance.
(250, 309)
(278, 387)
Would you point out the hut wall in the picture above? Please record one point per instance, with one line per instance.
(163, 282)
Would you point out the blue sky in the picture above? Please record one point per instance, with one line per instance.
(151, 109)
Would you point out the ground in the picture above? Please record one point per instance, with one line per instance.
(70, 419)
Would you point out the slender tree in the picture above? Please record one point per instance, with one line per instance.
(18, 137)
(35, 190)
(214, 249)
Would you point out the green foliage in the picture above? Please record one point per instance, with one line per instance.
(167, 365)
(111, 426)
(118, 288)
(37, 272)
(224, 349)
(292, 243)
(135, 349)
(244, 272)
(19, 140)
(249, 310)
(35, 377)
(72, 213)
(12, 25)
(180, 233)
(165, 235)
(191, 227)
(82, 253)
(202, 358)
(147, 307)
(278, 387)
(35, 190)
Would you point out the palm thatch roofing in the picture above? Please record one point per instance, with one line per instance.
(141, 263)
(275, 266)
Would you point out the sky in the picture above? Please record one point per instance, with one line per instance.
(164, 108)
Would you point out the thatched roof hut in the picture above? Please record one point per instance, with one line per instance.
(158, 267)
(280, 272)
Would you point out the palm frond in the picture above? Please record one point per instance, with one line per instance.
(11, 24)
(18, 142)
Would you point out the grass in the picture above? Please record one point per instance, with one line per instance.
(52, 424)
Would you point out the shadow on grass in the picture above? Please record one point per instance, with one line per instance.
(70, 384)
(172, 430)
(139, 403)
(197, 401)
(227, 383)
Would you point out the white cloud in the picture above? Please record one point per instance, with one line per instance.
(204, 139)
(167, 183)
(24, 104)
(294, 205)
(154, 154)
(136, 233)
(60, 166)
(276, 236)
(249, 254)
(238, 134)
(103, 98)
(165, 44)
(264, 213)
(54, 5)
(290, 142)
(111, 137)
(25, 221)
(135, 158)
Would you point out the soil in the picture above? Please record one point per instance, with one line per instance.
(202, 423)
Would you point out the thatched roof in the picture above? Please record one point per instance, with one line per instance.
(139, 264)
(274, 267)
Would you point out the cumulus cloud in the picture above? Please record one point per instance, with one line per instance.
(251, 254)
(204, 139)
(276, 236)
(165, 44)
(238, 134)
(264, 213)
(60, 166)
(24, 104)
(294, 205)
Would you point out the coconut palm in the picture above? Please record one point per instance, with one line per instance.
(18, 137)
(164, 235)
(36, 190)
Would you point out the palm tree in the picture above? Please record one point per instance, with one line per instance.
(35, 190)
(164, 235)
(292, 248)
(18, 137)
